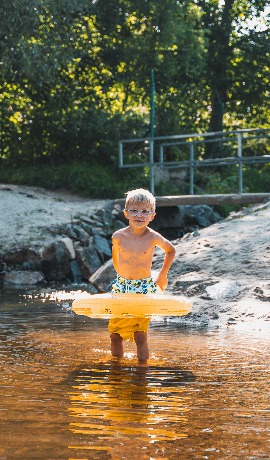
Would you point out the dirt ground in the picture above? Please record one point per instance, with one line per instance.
(28, 212)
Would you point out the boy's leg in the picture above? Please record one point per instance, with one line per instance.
(142, 345)
(117, 345)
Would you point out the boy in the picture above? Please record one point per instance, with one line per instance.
(132, 253)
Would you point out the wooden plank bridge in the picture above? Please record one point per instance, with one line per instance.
(211, 200)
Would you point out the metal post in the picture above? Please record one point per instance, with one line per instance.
(152, 134)
(191, 169)
(161, 155)
(121, 159)
(240, 162)
(152, 113)
(152, 175)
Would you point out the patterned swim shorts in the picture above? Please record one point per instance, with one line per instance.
(126, 327)
(141, 286)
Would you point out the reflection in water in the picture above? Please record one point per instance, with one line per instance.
(118, 405)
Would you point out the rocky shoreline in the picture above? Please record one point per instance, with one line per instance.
(221, 265)
(80, 250)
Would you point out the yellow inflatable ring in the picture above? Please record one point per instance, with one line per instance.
(117, 305)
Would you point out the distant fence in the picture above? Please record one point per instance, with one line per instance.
(188, 150)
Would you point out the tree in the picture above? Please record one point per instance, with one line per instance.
(82, 69)
(248, 96)
(76, 75)
(225, 25)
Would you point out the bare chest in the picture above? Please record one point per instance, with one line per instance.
(139, 246)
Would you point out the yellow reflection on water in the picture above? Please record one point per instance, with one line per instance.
(113, 405)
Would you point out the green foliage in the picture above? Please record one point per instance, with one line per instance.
(232, 63)
(256, 180)
(217, 182)
(225, 179)
(172, 188)
(249, 92)
(75, 77)
(95, 181)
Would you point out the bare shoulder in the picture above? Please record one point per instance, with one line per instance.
(156, 236)
(119, 234)
(160, 240)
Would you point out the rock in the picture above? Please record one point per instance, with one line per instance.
(69, 230)
(87, 227)
(87, 219)
(98, 225)
(56, 261)
(102, 279)
(55, 230)
(88, 260)
(76, 274)
(118, 224)
(81, 233)
(114, 213)
(175, 221)
(118, 208)
(102, 246)
(262, 292)
(2, 267)
(29, 257)
(24, 277)
(169, 217)
(100, 213)
(69, 245)
(201, 215)
(223, 289)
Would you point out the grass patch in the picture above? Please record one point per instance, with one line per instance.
(94, 181)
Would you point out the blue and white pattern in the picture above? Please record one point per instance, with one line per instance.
(142, 286)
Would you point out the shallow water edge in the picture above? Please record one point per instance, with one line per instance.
(204, 394)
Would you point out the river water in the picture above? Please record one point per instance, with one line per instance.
(204, 395)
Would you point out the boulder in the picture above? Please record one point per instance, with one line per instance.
(2, 267)
(201, 215)
(88, 259)
(102, 246)
(87, 227)
(56, 261)
(82, 234)
(171, 216)
(118, 225)
(76, 274)
(69, 230)
(20, 278)
(102, 279)
(175, 221)
(70, 247)
(28, 257)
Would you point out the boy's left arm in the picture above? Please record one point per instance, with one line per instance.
(167, 246)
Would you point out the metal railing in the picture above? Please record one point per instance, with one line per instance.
(235, 139)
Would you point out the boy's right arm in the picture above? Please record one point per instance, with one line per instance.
(115, 252)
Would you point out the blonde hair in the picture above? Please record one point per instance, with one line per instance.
(140, 195)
